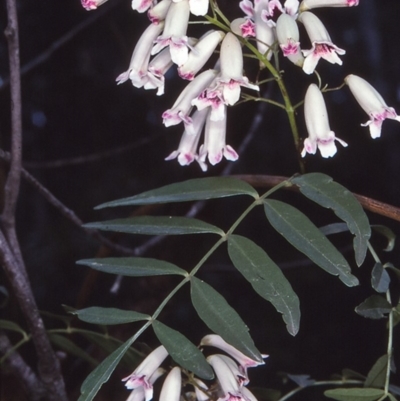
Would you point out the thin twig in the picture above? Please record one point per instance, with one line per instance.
(46, 54)
(93, 157)
(17, 366)
(65, 211)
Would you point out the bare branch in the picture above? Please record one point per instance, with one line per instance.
(32, 386)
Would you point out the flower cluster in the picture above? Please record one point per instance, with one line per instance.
(202, 105)
(230, 371)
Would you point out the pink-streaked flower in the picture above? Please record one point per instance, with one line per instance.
(92, 4)
(226, 87)
(159, 12)
(141, 376)
(142, 5)
(138, 393)
(156, 71)
(243, 27)
(174, 33)
(319, 132)
(200, 54)
(137, 70)
(187, 149)
(172, 386)
(248, 394)
(229, 384)
(264, 33)
(214, 340)
(372, 103)
(322, 46)
(183, 105)
(310, 4)
(215, 147)
(241, 377)
(288, 35)
(274, 9)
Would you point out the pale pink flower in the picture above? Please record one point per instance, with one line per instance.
(138, 393)
(310, 4)
(200, 54)
(174, 33)
(319, 132)
(142, 5)
(288, 35)
(92, 4)
(322, 46)
(187, 149)
(214, 340)
(243, 27)
(172, 386)
(215, 147)
(181, 109)
(372, 103)
(141, 376)
(159, 12)
(137, 71)
(274, 9)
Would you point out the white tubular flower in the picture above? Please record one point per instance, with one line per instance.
(199, 7)
(138, 394)
(232, 78)
(141, 376)
(159, 12)
(227, 380)
(310, 4)
(201, 395)
(174, 34)
(137, 70)
(322, 46)
(248, 394)
(274, 9)
(319, 132)
(372, 103)
(171, 389)
(187, 149)
(156, 71)
(200, 54)
(92, 4)
(288, 35)
(241, 376)
(182, 106)
(215, 146)
(214, 340)
(243, 27)
(142, 5)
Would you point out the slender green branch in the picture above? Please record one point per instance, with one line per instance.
(389, 344)
(319, 383)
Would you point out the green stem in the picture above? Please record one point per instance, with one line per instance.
(319, 383)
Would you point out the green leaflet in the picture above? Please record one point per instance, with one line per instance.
(156, 225)
(133, 266)
(374, 307)
(182, 351)
(222, 318)
(307, 238)
(109, 316)
(323, 190)
(102, 373)
(377, 375)
(191, 190)
(266, 279)
(355, 394)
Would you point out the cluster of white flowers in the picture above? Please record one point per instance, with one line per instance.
(165, 43)
(230, 371)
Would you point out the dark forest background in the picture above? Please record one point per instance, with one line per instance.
(89, 141)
